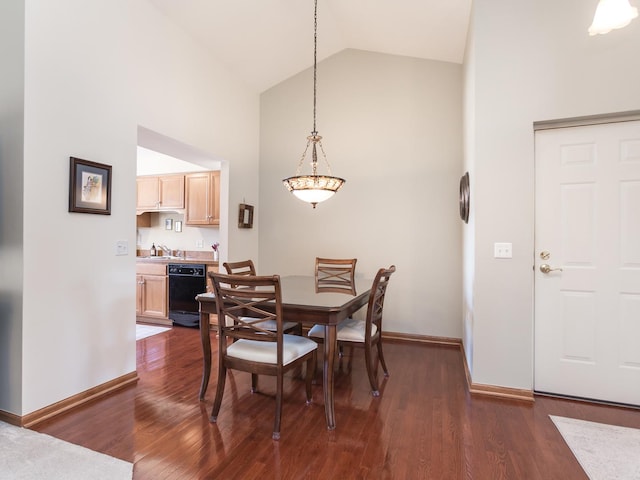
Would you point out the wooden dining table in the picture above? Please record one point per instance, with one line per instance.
(305, 303)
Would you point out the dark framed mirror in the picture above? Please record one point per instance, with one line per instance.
(245, 216)
(464, 197)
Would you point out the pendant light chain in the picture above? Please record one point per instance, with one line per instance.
(314, 154)
(315, 61)
(314, 159)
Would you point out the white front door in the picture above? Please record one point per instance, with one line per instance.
(587, 241)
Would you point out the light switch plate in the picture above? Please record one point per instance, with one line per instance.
(502, 250)
(122, 247)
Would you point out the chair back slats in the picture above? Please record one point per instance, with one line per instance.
(247, 268)
(248, 301)
(335, 274)
(376, 299)
(244, 267)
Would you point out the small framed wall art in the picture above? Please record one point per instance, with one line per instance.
(89, 187)
(245, 216)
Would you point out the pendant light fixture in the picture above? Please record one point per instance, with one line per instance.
(612, 14)
(313, 188)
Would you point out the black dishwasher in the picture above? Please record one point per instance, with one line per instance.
(185, 282)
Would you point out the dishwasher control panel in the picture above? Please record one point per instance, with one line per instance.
(188, 270)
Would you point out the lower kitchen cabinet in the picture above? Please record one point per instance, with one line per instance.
(151, 293)
(213, 319)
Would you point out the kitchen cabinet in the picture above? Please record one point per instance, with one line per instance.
(161, 192)
(202, 199)
(143, 219)
(151, 293)
(211, 268)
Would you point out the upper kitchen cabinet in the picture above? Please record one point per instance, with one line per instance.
(163, 192)
(202, 199)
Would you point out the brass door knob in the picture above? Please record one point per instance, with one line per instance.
(544, 268)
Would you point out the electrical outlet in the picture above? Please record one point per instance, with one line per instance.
(122, 247)
(199, 243)
(502, 250)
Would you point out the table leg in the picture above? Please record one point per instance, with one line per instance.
(327, 374)
(206, 352)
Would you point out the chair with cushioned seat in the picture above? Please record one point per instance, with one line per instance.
(336, 275)
(250, 302)
(368, 332)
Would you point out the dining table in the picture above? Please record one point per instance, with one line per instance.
(305, 302)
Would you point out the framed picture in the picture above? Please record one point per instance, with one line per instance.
(178, 226)
(245, 216)
(89, 187)
(168, 224)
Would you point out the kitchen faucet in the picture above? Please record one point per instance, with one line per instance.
(166, 250)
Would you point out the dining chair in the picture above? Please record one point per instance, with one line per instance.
(367, 332)
(335, 275)
(249, 301)
(246, 267)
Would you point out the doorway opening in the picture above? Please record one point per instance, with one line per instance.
(162, 230)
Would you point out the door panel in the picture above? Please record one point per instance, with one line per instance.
(578, 223)
(630, 330)
(629, 225)
(587, 306)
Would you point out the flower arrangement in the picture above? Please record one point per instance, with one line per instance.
(215, 246)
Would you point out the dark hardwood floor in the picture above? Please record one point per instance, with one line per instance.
(424, 425)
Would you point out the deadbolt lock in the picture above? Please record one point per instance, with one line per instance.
(544, 255)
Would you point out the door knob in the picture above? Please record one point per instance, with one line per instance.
(544, 268)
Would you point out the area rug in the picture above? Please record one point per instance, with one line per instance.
(29, 455)
(605, 452)
(144, 331)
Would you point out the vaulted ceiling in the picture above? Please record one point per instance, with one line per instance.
(268, 41)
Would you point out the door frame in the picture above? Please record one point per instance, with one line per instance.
(584, 121)
(599, 119)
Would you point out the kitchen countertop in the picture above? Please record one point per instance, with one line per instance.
(167, 260)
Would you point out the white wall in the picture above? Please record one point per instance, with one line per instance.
(468, 229)
(95, 72)
(532, 61)
(11, 199)
(392, 127)
(150, 162)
